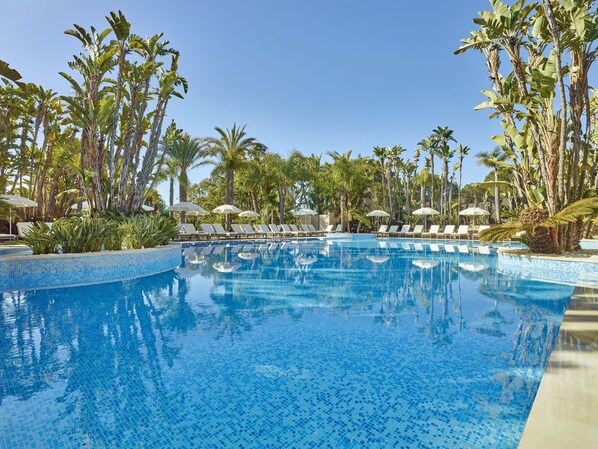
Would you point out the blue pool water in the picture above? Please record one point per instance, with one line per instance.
(335, 344)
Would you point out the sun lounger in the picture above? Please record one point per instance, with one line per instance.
(316, 231)
(433, 232)
(275, 230)
(265, 230)
(299, 232)
(448, 230)
(8, 237)
(188, 231)
(381, 230)
(462, 231)
(240, 231)
(329, 228)
(481, 228)
(288, 231)
(416, 231)
(392, 231)
(23, 227)
(252, 232)
(309, 230)
(339, 228)
(220, 231)
(404, 230)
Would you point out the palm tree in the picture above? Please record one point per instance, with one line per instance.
(494, 160)
(186, 154)
(229, 153)
(442, 135)
(462, 151)
(341, 176)
(429, 145)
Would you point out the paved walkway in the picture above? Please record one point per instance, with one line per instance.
(566, 406)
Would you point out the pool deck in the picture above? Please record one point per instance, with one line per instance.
(564, 412)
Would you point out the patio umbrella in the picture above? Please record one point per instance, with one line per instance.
(378, 213)
(147, 208)
(226, 210)
(249, 213)
(16, 202)
(425, 211)
(186, 206)
(473, 212)
(304, 212)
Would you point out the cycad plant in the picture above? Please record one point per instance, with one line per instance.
(540, 228)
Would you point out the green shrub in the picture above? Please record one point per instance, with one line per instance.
(40, 239)
(89, 234)
(147, 231)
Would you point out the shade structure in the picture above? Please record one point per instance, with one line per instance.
(16, 202)
(425, 264)
(425, 211)
(378, 213)
(227, 209)
(186, 206)
(147, 208)
(473, 212)
(249, 213)
(304, 212)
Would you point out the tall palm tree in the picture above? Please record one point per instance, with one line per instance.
(186, 154)
(462, 151)
(442, 136)
(341, 176)
(494, 160)
(429, 145)
(229, 154)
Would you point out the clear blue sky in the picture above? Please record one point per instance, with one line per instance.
(311, 75)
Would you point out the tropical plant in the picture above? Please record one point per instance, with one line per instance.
(540, 228)
(544, 102)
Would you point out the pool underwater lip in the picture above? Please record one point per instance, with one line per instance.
(301, 344)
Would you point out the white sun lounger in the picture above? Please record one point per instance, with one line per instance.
(404, 230)
(462, 231)
(448, 231)
(434, 229)
(416, 231)
(239, 230)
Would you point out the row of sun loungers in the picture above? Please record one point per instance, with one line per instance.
(438, 248)
(239, 231)
(434, 231)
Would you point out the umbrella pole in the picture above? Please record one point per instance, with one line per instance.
(10, 220)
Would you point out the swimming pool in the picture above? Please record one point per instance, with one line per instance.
(342, 344)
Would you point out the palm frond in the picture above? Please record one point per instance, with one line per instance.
(580, 209)
(500, 232)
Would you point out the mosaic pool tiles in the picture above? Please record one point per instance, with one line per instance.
(555, 270)
(31, 272)
(280, 346)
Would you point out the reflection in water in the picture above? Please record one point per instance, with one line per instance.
(111, 362)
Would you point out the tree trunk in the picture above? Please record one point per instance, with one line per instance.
(496, 198)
